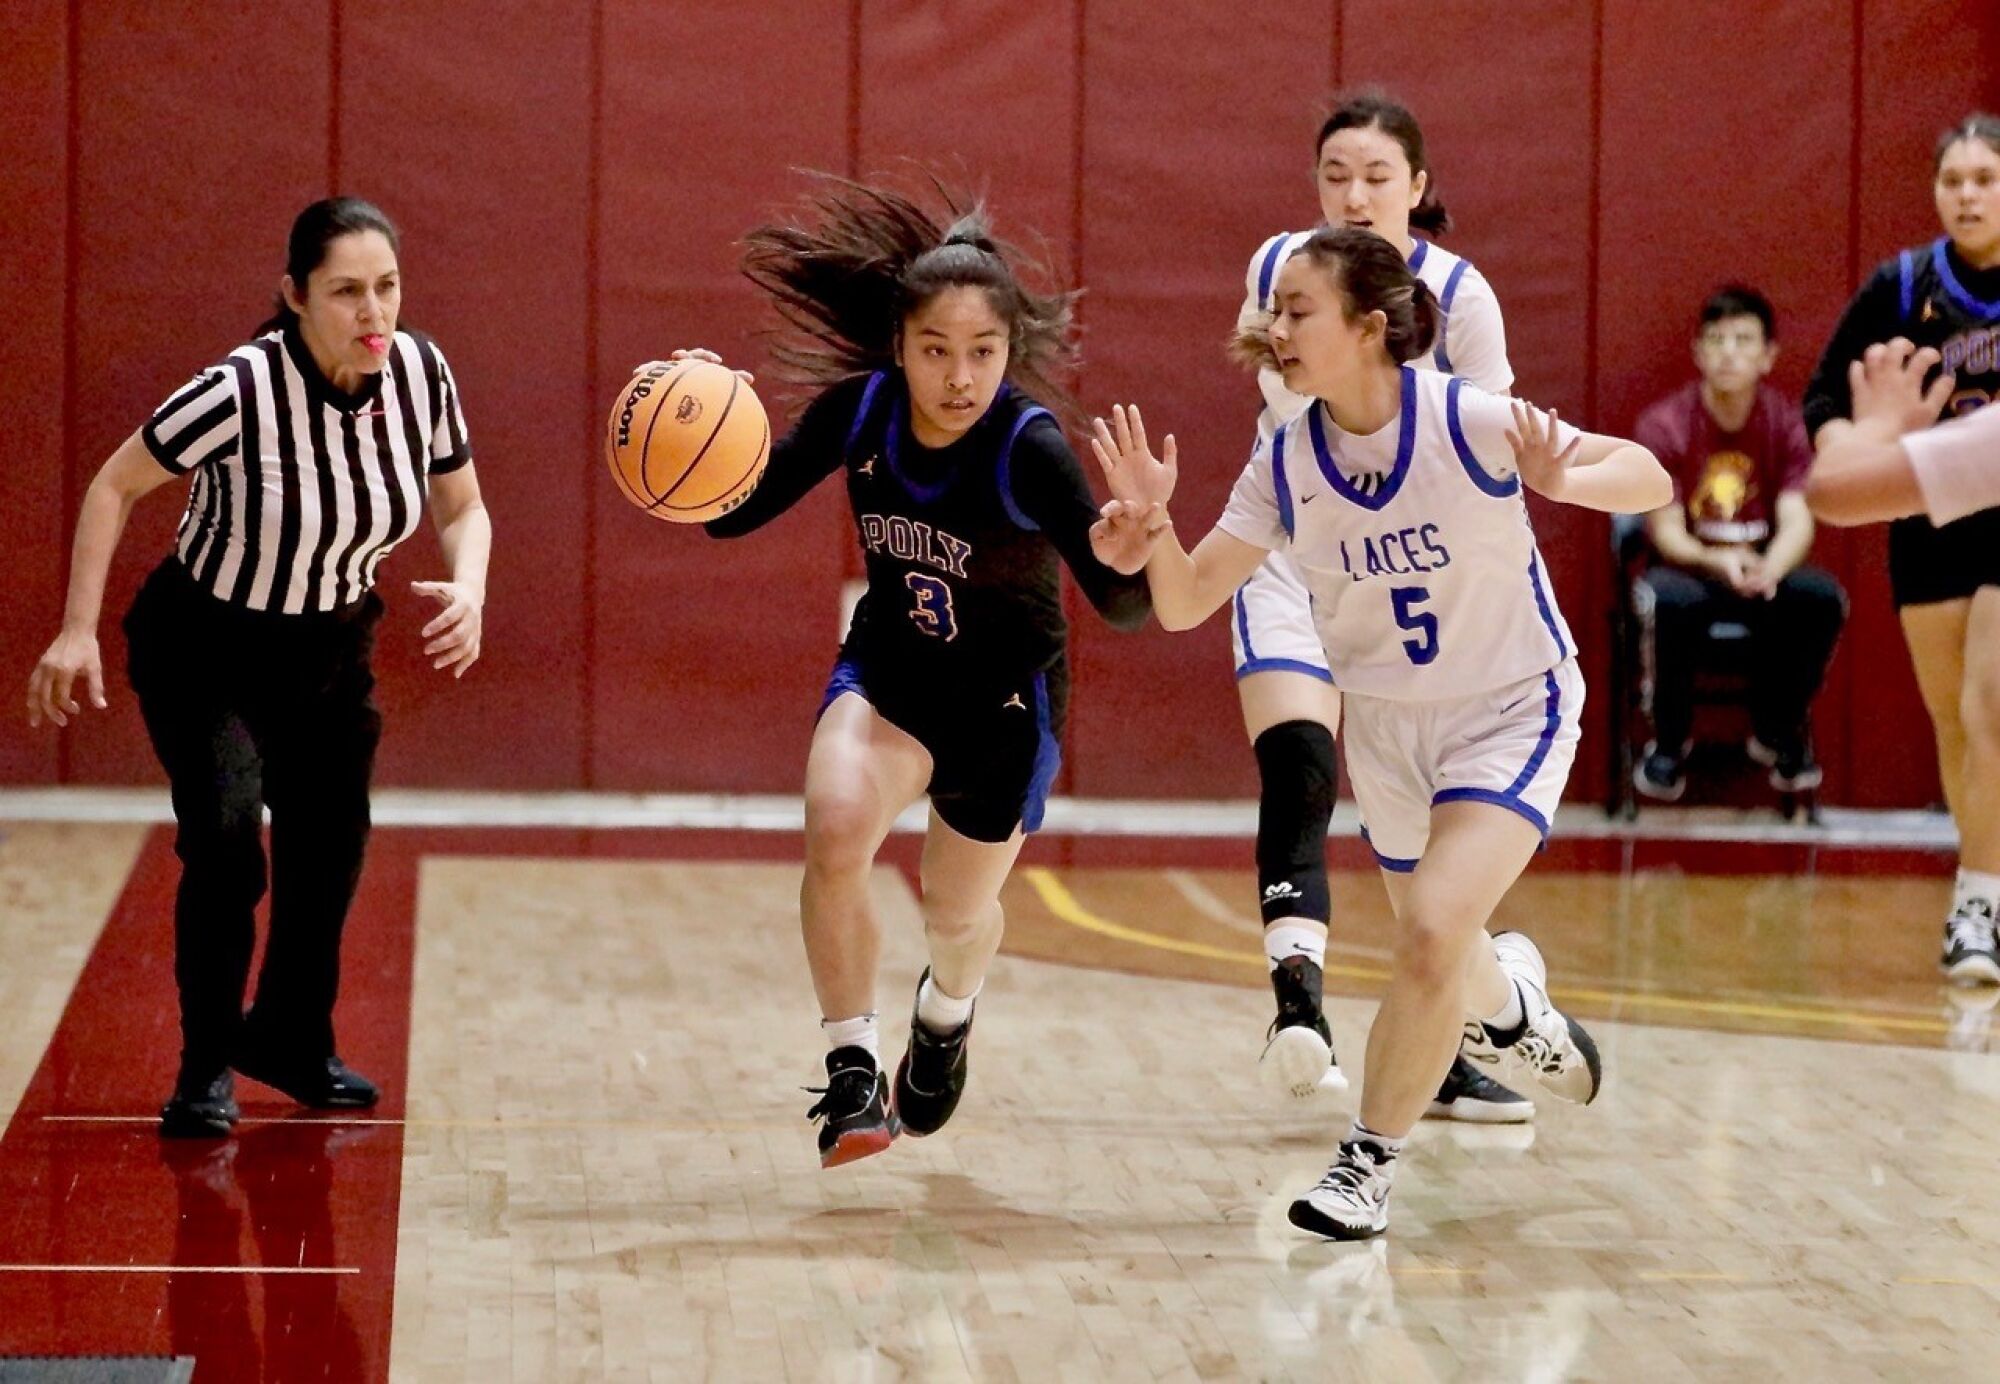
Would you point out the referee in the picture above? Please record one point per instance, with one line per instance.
(314, 449)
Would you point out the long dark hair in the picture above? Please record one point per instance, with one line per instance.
(1979, 125)
(315, 229)
(1372, 276)
(1376, 110)
(859, 259)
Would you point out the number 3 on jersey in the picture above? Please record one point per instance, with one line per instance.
(932, 611)
(1404, 599)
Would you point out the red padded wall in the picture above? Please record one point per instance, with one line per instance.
(572, 185)
(1183, 180)
(495, 226)
(709, 656)
(35, 284)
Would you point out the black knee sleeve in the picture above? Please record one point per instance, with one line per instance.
(1295, 764)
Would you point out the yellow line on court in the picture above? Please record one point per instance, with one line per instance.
(1056, 897)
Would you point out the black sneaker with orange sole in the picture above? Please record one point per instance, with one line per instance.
(854, 1108)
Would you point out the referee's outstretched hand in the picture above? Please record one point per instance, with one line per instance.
(453, 637)
(72, 655)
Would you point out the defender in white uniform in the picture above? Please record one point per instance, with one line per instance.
(1399, 494)
(1372, 173)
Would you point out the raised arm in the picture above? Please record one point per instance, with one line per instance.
(1866, 471)
(1048, 486)
(1593, 471)
(1187, 587)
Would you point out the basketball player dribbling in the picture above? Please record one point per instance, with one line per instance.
(953, 678)
(1398, 494)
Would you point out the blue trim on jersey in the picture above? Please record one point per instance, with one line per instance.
(1953, 286)
(1268, 270)
(1499, 490)
(846, 678)
(1487, 795)
(1444, 313)
(1906, 272)
(1243, 627)
(1284, 665)
(1282, 484)
(1543, 607)
(1048, 761)
(861, 413)
(1417, 255)
(1004, 468)
(1388, 862)
(1406, 444)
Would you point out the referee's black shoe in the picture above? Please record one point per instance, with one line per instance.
(931, 1076)
(854, 1104)
(324, 1083)
(203, 1106)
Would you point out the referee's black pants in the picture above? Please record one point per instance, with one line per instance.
(247, 708)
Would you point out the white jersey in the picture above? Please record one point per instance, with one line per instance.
(1471, 342)
(1413, 543)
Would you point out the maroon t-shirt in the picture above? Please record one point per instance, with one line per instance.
(1728, 483)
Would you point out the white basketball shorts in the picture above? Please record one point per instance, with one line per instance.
(1271, 623)
(1511, 747)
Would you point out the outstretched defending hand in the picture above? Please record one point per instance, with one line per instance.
(1888, 386)
(1125, 533)
(1543, 469)
(1129, 467)
(454, 634)
(698, 353)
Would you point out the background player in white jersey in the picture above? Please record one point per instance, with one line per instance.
(1373, 173)
(1399, 494)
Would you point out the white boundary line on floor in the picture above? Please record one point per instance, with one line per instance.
(409, 807)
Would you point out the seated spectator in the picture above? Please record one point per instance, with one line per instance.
(1731, 547)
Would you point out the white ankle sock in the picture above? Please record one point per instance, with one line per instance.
(1973, 884)
(1295, 938)
(857, 1032)
(1386, 1165)
(1511, 1014)
(939, 1012)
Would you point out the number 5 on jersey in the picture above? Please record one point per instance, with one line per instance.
(932, 611)
(1405, 599)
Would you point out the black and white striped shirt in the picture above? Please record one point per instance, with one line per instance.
(300, 490)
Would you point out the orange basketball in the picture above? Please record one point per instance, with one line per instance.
(687, 440)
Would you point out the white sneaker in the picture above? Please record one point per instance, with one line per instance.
(1971, 947)
(1550, 1047)
(1352, 1201)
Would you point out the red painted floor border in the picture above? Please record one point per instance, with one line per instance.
(291, 1191)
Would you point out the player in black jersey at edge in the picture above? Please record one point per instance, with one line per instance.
(952, 679)
(1946, 581)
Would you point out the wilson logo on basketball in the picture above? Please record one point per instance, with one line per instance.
(688, 409)
(641, 388)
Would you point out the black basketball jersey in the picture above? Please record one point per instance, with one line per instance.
(1932, 296)
(961, 543)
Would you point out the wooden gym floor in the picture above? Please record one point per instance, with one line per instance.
(594, 1163)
